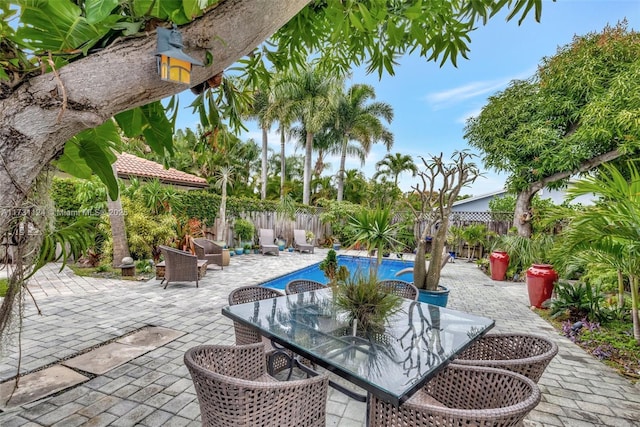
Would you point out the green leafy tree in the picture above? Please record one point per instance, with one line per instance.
(578, 111)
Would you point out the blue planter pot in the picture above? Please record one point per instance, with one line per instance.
(439, 297)
(239, 251)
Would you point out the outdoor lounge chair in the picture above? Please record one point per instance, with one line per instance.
(180, 266)
(400, 288)
(525, 354)
(209, 250)
(300, 241)
(234, 390)
(277, 359)
(462, 396)
(297, 286)
(267, 242)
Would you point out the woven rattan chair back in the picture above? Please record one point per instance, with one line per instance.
(400, 288)
(460, 396)
(525, 354)
(209, 250)
(246, 334)
(180, 266)
(234, 390)
(297, 286)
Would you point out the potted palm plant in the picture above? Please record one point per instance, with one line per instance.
(243, 230)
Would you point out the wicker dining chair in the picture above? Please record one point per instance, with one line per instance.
(462, 396)
(209, 250)
(180, 266)
(297, 286)
(525, 354)
(400, 288)
(234, 390)
(277, 359)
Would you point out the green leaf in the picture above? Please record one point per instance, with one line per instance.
(71, 162)
(59, 26)
(151, 122)
(162, 9)
(98, 10)
(159, 133)
(93, 150)
(131, 122)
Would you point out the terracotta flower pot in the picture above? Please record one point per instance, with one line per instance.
(540, 280)
(499, 262)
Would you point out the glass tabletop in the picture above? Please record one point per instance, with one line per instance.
(392, 363)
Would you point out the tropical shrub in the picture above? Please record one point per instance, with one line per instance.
(576, 302)
(145, 232)
(243, 229)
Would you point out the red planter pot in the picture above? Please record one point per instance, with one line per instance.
(498, 261)
(540, 280)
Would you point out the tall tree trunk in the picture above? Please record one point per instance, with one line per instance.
(343, 160)
(437, 248)
(36, 120)
(118, 228)
(282, 165)
(620, 289)
(308, 152)
(263, 191)
(222, 225)
(522, 215)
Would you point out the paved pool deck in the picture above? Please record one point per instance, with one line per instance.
(154, 389)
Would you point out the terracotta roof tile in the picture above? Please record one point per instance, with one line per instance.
(129, 165)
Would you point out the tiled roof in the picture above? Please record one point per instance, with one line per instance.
(129, 165)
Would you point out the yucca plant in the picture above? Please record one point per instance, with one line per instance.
(376, 230)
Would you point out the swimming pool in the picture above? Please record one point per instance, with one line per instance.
(387, 270)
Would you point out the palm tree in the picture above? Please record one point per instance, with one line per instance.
(310, 95)
(354, 182)
(223, 178)
(354, 119)
(261, 110)
(611, 227)
(392, 165)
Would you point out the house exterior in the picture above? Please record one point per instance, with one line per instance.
(481, 203)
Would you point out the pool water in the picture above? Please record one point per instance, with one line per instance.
(387, 270)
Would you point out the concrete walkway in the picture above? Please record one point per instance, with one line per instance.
(154, 389)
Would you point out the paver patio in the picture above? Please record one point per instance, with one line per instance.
(155, 389)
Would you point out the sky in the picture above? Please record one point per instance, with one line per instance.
(431, 103)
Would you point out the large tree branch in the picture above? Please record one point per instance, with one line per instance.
(584, 167)
(117, 79)
(522, 214)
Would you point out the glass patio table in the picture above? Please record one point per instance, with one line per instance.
(392, 364)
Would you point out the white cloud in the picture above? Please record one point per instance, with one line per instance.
(459, 94)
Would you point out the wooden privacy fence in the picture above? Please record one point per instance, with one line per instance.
(283, 226)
